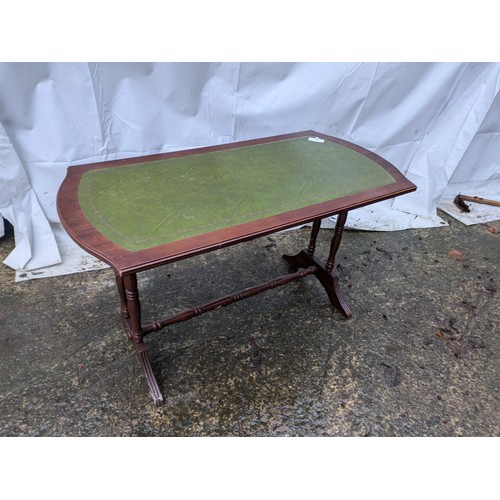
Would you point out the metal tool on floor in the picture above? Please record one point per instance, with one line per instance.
(460, 200)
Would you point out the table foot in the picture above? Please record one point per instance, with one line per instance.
(329, 282)
(143, 356)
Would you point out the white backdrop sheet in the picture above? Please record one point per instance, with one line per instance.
(437, 122)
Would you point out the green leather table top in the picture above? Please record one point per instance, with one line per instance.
(143, 205)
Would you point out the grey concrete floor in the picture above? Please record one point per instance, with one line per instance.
(420, 357)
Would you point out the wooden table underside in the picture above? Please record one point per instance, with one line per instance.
(127, 264)
(130, 307)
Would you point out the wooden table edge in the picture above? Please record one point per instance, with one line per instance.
(126, 262)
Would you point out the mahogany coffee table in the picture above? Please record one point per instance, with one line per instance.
(140, 213)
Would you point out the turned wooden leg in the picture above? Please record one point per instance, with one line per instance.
(314, 234)
(122, 310)
(130, 315)
(324, 273)
(337, 237)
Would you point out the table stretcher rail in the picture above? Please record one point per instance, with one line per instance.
(228, 299)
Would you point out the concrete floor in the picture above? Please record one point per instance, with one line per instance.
(420, 357)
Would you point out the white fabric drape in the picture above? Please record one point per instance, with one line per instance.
(437, 122)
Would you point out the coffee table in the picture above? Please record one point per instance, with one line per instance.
(139, 213)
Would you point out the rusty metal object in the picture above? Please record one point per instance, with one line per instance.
(460, 200)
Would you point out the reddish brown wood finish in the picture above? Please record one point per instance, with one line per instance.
(126, 262)
(324, 272)
(228, 299)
